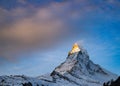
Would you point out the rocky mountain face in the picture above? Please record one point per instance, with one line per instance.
(112, 82)
(77, 70)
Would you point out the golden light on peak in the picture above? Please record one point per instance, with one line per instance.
(75, 48)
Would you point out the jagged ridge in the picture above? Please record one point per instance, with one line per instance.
(79, 66)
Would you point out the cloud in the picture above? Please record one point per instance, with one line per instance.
(26, 30)
(31, 28)
(37, 31)
(22, 1)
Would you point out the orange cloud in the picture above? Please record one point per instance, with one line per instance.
(37, 31)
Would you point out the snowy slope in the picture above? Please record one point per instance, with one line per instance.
(80, 69)
(77, 70)
(19, 80)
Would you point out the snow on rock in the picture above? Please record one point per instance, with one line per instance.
(20, 80)
(77, 70)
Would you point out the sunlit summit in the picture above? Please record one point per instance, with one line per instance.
(75, 48)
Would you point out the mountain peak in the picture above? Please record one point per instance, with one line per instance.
(78, 66)
(76, 70)
(75, 48)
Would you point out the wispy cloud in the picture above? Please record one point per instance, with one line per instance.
(22, 1)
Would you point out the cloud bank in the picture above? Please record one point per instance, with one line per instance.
(30, 28)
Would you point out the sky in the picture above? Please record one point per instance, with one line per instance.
(36, 35)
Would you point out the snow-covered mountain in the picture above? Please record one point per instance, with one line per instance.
(80, 70)
(77, 70)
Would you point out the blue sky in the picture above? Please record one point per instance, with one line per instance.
(36, 35)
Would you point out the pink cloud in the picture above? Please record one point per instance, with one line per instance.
(29, 28)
